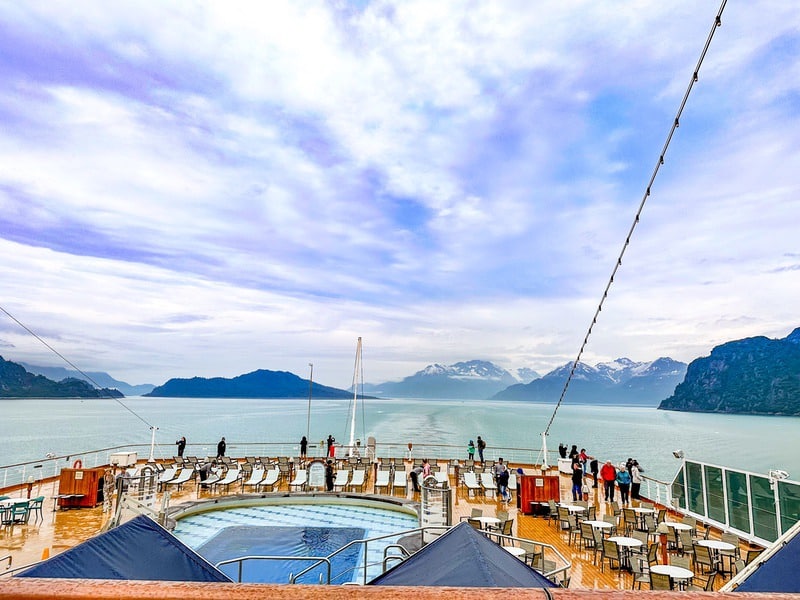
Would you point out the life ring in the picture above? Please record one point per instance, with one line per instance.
(78, 464)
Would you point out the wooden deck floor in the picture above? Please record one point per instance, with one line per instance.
(62, 529)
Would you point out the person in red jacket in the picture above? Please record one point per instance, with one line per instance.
(609, 475)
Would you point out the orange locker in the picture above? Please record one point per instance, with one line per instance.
(80, 488)
(537, 489)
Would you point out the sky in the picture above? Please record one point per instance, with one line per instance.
(207, 188)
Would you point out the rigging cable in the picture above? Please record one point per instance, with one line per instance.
(659, 163)
(66, 360)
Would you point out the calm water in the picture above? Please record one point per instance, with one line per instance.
(32, 428)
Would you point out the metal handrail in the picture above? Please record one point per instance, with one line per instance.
(292, 578)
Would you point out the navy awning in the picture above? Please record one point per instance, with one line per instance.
(138, 549)
(780, 572)
(463, 557)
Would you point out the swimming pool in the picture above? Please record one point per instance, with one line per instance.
(294, 526)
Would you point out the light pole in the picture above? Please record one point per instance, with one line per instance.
(310, 385)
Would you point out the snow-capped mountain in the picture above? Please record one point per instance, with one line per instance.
(470, 379)
(621, 381)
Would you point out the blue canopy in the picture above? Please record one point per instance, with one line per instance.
(780, 572)
(138, 549)
(463, 557)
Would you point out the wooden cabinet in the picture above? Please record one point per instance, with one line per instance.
(80, 488)
(537, 488)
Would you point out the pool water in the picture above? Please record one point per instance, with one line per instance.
(284, 541)
(293, 530)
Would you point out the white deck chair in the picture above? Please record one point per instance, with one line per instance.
(300, 479)
(232, 476)
(488, 484)
(382, 481)
(357, 480)
(400, 481)
(442, 476)
(471, 481)
(185, 475)
(270, 479)
(341, 480)
(167, 476)
(256, 477)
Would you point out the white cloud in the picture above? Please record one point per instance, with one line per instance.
(212, 188)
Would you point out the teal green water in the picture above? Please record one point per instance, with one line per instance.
(32, 428)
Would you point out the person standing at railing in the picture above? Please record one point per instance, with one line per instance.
(221, 448)
(624, 483)
(636, 480)
(481, 448)
(471, 450)
(609, 476)
(181, 445)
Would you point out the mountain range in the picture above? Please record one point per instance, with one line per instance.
(474, 379)
(98, 377)
(258, 384)
(621, 381)
(17, 382)
(756, 375)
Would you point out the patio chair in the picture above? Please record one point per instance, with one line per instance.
(553, 515)
(532, 551)
(630, 520)
(574, 531)
(734, 554)
(598, 544)
(612, 520)
(681, 561)
(708, 584)
(19, 513)
(704, 558)
(660, 582)
(475, 524)
(587, 536)
(35, 506)
(610, 554)
(640, 575)
(738, 565)
(750, 556)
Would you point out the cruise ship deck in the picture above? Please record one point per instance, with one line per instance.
(56, 529)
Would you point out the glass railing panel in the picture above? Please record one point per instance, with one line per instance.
(715, 495)
(762, 499)
(679, 489)
(694, 488)
(789, 503)
(738, 507)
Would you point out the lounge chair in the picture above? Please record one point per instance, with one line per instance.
(382, 481)
(442, 476)
(400, 481)
(270, 479)
(300, 480)
(185, 475)
(256, 477)
(357, 480)
(167, 476)
(341, 479)
(488, 484)
(471, 481)
(232, 476)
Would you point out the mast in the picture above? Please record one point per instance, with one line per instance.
(310, 385)
(356, 370)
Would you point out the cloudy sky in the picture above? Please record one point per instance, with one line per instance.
(209, 188)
